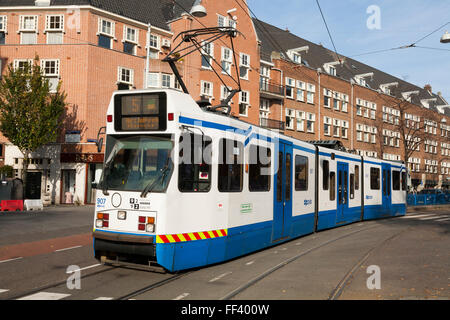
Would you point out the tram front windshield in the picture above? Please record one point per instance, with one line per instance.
(136, 163)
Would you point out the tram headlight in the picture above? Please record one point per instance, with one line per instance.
(99, 223)
(122, 215)
(150, 228)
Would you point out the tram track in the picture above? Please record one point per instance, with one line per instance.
(57, 284)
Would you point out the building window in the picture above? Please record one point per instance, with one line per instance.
(310, 120)
(290, 84)
(130, 40)
(301, 117)
(231, 168)
(344, 129)
(327, 126)
(3, 29)
(126, 76)
(54, 27)
(336, 128)
(311, 92)
(207, 55)
(106, 27)
(244, 101)
(166, 80)
(206, 89)
(28, 24)
(22, 64)
(227, 60)
(290, 119)
(50, 69)
(244, 66)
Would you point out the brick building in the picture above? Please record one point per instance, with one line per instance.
(95, 47)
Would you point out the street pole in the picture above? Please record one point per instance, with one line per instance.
(147, 60)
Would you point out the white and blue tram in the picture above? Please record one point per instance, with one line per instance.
(183, 187)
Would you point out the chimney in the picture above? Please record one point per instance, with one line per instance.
(428, 88)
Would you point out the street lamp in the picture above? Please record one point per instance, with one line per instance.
(446, 37)
(198, 10)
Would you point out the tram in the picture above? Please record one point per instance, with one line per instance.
(184, 187)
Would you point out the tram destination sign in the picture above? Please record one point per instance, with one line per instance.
(140, 112)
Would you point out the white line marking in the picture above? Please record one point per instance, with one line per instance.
(429, 218)
(11, 259)
(93, 266)
(104, 298)
(445, 219)
(181, 296)
(45, 296)
(59, 250)
(220, 277)
(4, 290)
(298, 243)
(416, 216)
(249, 263)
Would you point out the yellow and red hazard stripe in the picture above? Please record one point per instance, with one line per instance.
(193, 236)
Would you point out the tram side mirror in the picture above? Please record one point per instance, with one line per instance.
(99, 145)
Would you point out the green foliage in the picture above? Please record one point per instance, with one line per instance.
(30, 115)
(7, 171)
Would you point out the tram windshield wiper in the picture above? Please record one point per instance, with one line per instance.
(162, 175)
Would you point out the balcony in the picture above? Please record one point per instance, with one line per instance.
(270, 90)
(271, 124)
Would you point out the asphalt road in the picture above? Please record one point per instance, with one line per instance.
(399, 258)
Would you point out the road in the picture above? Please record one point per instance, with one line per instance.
(399, 258)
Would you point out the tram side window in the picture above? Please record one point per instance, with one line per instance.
(332, 186)
(325, 174)
(404, 181)
(194, 171)
(396, 180)
(375, 178)
(356, 177)
(231, 159)
(259, 169)
(301, 173)
(352, 186)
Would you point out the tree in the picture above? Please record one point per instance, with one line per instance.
(30, 114)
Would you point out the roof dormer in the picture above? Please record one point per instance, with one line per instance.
(361, 78)
(386, 87)
(296, 54)
(330, 67)
(408, 95)
(42, 3)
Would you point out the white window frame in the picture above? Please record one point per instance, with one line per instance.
(18, 61)
(57, 67)
(209, 93)
(100, 30)
(244, 98)
(24, 28)
(125, 35)
(48, 27)
(120, 76)
(166, 76)
(207, 55)
(310, 118)
(291, 84)
(227, 60)
(4, 24)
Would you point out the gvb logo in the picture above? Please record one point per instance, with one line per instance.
(374, 20)
(74, 280)
(374, 281)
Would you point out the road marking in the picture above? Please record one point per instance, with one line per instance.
(4, 290)
(11, 259)
(181, 296)
(445, 219)
(429, 218)
(59, 250)
(104, 298)
(45, 296)
(298, 243)
(416, 216)
(220, 277)
(93, 266)
(249, 263)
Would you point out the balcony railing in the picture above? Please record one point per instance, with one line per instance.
(271, 124)
(270, 87)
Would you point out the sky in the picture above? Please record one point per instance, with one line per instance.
(361, 26)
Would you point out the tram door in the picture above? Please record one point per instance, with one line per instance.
(342, 191)
(283, 192)
(386, 187)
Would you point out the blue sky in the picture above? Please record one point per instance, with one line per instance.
(401, 22)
